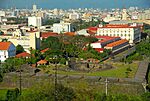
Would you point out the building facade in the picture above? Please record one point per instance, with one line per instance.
(7, 49)
(35, 21)
(131, 33)
(62, 27)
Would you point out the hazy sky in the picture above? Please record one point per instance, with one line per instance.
(65, 4)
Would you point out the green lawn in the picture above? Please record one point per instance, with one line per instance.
(118, 71)
(4, 91)
(2, 94)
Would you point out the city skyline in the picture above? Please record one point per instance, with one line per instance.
(66, 4)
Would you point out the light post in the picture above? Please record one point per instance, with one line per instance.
(55, 58)
(106, 86)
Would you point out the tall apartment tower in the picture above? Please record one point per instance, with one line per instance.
(124, 14)
(34, 8)
(35, 21)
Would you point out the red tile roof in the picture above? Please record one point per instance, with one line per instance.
(103, 39)
(5, 45)
(48, 34)
(44, 50)
(23, 54)
(93, 28)
(99, 49)
(117, 43)
(119, 26)
(70, 33)
(42, 62)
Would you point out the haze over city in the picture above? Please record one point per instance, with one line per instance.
(66, 4)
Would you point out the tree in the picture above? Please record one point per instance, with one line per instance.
(12, 95)
(1, 77)
(4, 40)
(19, 49)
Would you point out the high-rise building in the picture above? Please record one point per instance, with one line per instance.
(34, 7)
(35, 21)
(62, 27)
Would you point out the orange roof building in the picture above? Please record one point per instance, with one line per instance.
(118, 45)
(70, 33)
(23, 55)
(42, 62)
(7, 49)
(44, 50)
(5, 45)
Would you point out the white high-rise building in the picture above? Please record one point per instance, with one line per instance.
(62, 27)
(34, 7)
(35, 21)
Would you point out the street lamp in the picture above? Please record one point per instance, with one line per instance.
(55, 58)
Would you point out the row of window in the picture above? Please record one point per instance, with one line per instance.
(119, 35)
(114, 31)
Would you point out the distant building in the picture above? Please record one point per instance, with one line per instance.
(130, 32)
(2, 13)
(62, 27)
(103, 41)
(7, 49)
(30, 40)
(35, 21)
(34, 8)
(74, 16)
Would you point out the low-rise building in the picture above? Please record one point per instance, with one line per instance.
(118, 46)
(130, 32)
(7, 50)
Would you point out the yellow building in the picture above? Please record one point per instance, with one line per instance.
(30, 40)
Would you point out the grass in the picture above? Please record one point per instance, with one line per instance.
(4, 91)
(119, 71)
(3, 94)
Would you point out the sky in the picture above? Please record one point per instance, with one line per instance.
(66, 4)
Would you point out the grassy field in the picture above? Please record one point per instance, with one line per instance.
(3, 94)
(4, 91)
(119, 71)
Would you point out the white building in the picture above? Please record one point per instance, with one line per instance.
(74, 16)
(7, 49)
(62, 27)
(130, 32)
(35, 21)
(34, 8)
(2, 13)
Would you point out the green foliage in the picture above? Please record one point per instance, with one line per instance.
(51, 43)
(51, 21)
(143, 48)
(12, 95)
(4, 40)
(146, 96)
(19, 49)
(47, 92)
(63, 61)
(12, 64)
(1, 77)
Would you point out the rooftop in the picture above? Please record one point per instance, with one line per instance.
(23, 54)
(104, 38)
(48, 34)
(42, 62)
(116, 43)
(5, 45)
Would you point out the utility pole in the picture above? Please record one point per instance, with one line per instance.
(106, 86)
(55, 78)
(20, 82)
